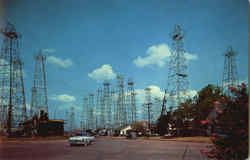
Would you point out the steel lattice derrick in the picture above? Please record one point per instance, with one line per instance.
(156, 108)
(230, 75)
(91, 116)
(12, 97)
(148, 106)
(72, 125)
(113, 107)
(103, 117)
(131, 102)
(39, 99)
(107, 101)
(177, 76)
(85, 110)
(98, 108)
(122, 114)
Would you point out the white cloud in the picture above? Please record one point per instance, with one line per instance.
(63, 98)
(158, 55)
(155, 92)
(28, 106)
(105, 72)
(189, 94)
(60, 62)
(49, 50)
(189, 56)
(244, 81)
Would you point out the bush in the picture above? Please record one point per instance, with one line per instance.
(230, 137)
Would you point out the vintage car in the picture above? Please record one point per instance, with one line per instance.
(81, 139)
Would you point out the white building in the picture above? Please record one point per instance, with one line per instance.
(123, 131)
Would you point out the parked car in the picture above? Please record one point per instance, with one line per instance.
(81, 139)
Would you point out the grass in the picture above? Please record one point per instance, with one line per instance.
(3, 139)
(182, 139)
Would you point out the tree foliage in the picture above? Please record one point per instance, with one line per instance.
(230, 137)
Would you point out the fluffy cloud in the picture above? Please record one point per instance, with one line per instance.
(155, 92)
(189, 56)
(49, 50)
(60, 62)
(28, 106)
(155, 55)
(158, 55)
(105, 72)
(63, 98)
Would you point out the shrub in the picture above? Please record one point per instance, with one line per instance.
(230, 137)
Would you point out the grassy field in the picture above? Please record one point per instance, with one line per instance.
(183, 139)
(3, 139)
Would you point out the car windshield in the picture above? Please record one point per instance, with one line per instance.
(83, 134)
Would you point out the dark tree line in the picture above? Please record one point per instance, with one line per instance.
(190, 113)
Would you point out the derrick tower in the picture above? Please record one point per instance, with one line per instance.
(113, 107)
(98, 108)
(39, 99)
(102, 118)
(12, 96)
(164, 101)
(82, 120)
(230, 77)
(131, 103)
(177, 75)
(85, 113)
(148, 116)
(72, 125)
(121, 110)
(156, 108)
(91, 108)
(107, 102)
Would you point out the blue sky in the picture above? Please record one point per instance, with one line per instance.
(87, 41)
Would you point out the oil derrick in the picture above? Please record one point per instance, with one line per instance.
(91, 116)
(102, 118)
(121, 110)
(12, 97)
(177, 76)
(113, 107)
(85, 112)
(164, 101)
(66, 121)
(39, 99)
(230, 77)
(72, 126)
(148, 106)
(82, 120)
(98, 108)
(107, 102)
(131, 103)
(156, 109)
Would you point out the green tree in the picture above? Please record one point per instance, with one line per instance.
(163, 123)
(203, 105)
(230, 138)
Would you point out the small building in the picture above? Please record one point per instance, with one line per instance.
(124, 130)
